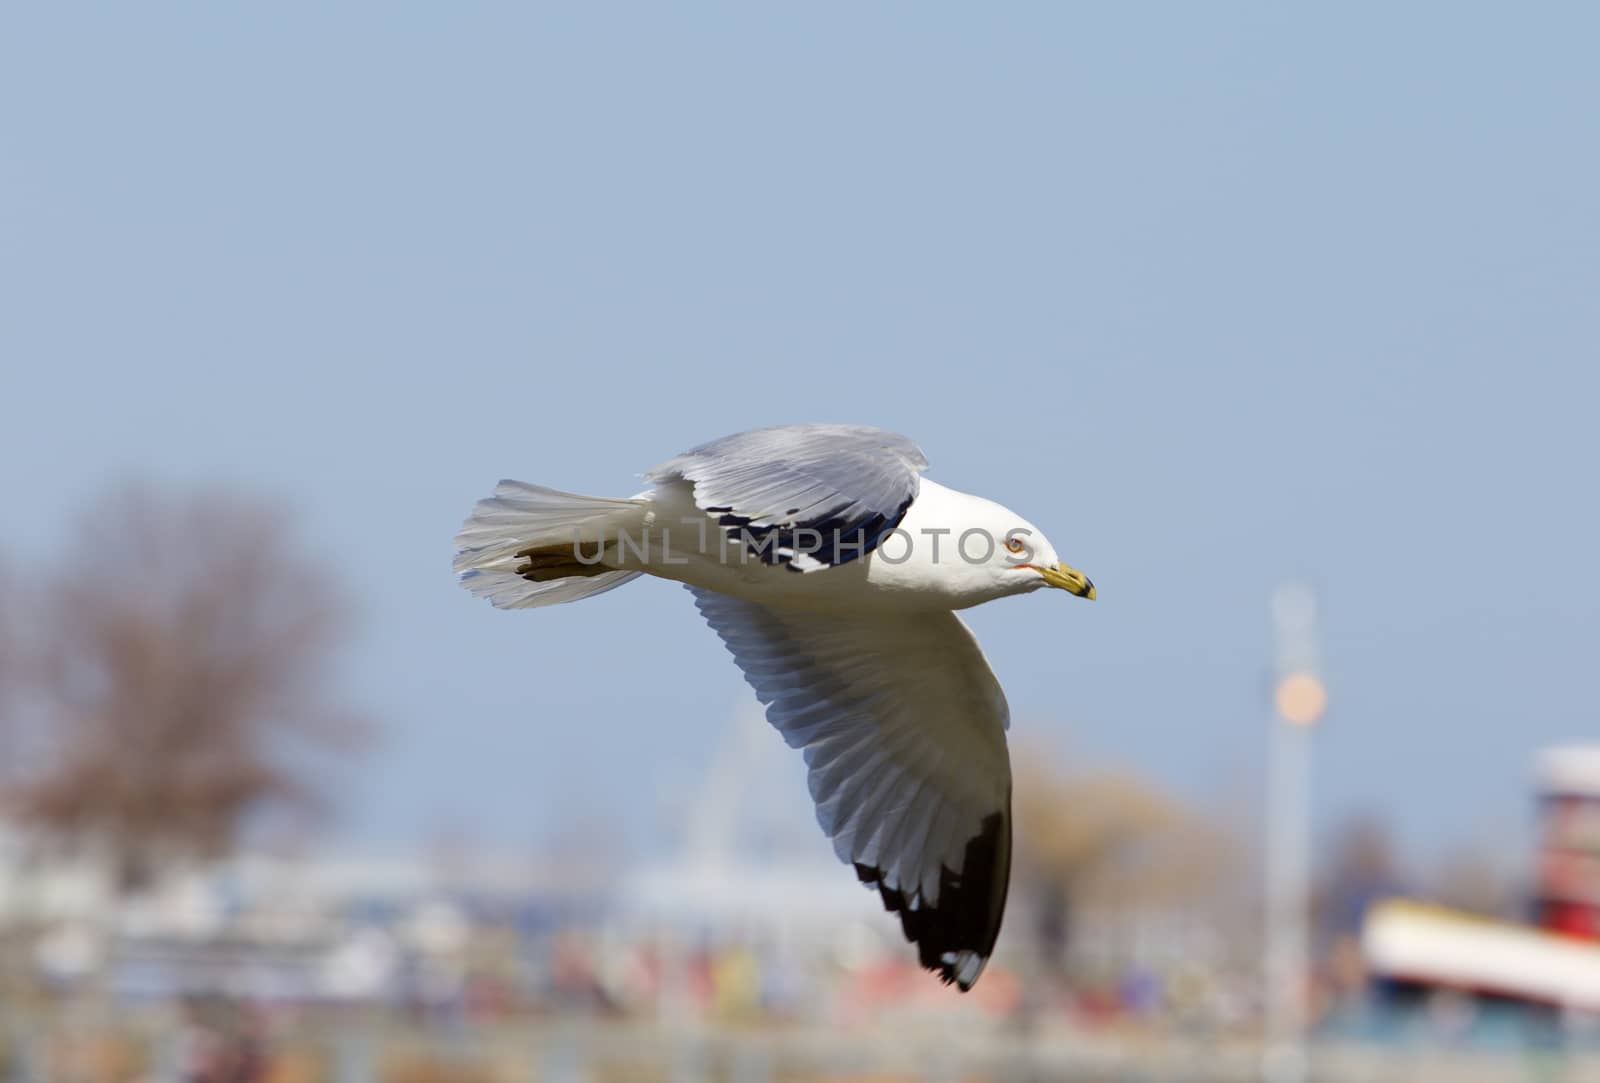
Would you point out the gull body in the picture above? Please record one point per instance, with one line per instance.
(946, 554)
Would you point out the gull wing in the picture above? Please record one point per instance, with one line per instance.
(903, 727)
(849, 484)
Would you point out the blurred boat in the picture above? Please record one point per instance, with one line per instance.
(1417, 944)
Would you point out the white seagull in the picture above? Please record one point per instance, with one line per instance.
(832, 570)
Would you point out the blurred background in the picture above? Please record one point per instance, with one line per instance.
(1281, 321)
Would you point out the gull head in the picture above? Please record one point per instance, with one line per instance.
(1028, 562)
(990, 551)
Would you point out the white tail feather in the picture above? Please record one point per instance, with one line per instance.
(519, 516)
(507, 590)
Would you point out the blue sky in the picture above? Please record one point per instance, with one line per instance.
(1217, 295)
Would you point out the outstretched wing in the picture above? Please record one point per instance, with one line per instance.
(903, 727)
(807, 496)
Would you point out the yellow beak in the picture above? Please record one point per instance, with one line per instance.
(1068, 579)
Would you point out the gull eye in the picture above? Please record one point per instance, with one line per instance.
(1014, 545)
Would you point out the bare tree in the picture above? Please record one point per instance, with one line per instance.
(179, 679)
(1359, 868)
(1475, 877)
(12, 669)
(1106, 839)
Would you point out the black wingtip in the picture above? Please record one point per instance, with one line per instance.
(956, 936)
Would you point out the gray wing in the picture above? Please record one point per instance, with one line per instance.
(903, 728)
(806, 496)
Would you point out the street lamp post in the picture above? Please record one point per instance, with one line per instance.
(1299, 700)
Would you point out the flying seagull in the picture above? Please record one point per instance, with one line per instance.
(832, 570)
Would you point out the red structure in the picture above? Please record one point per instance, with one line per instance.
(1567, 884)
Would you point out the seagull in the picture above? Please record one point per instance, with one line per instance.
(832, 570)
